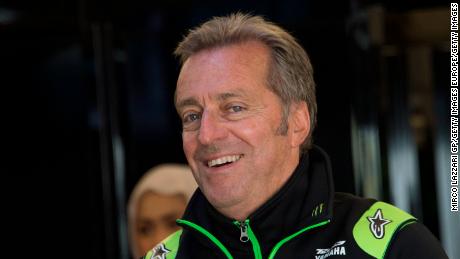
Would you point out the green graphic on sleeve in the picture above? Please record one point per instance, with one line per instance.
(167, 249)
(375, 229)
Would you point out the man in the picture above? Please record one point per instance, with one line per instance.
(246, 97)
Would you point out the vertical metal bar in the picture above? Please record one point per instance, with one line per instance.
(366, 158)
(365, 140)
(111, 146)
(402, 152)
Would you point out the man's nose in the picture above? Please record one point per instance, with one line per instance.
(211, 128)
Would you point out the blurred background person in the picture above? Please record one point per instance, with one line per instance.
(157, 200)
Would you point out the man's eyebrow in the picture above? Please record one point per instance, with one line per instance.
(220, 97)
(187, 102)
(225, 96)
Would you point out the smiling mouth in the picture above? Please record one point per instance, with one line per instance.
(221, 161)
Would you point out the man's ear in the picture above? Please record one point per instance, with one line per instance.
(299, 123)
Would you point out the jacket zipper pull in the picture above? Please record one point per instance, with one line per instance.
(244, 232)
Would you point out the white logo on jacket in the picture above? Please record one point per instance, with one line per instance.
(377, 224)
(337, 249)
(159, 252)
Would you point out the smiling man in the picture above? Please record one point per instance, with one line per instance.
(233, 134)
(246, 98)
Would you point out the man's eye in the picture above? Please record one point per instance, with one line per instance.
(236, 108)
(191, 117)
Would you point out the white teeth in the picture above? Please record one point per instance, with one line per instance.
(223, 160)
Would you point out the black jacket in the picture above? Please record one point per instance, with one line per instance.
(305, 219)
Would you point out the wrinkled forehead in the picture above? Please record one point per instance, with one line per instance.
(230, 65)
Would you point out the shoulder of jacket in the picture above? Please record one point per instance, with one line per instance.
(167, 248)
(350, 206)
(374, 230)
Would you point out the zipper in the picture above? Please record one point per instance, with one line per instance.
(244, 237)
(207, 234)
(246, 234)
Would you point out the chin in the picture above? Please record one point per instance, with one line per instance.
(221, 199)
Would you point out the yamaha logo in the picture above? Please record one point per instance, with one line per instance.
(337, 249)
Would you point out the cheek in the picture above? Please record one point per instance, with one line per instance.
(254, 132)
(189, 144)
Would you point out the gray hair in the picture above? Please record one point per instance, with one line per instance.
(291, 73)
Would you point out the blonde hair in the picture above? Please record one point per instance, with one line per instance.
(291, 73)
(166, 179)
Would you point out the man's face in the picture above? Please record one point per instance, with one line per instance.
(230, 126)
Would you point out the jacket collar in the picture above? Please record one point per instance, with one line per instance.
(304, 200)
